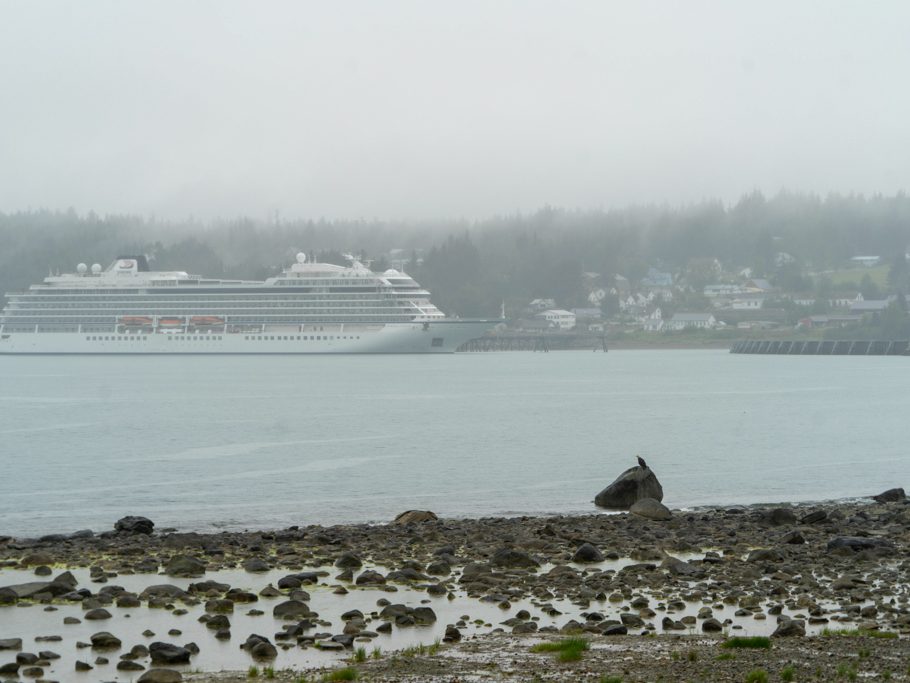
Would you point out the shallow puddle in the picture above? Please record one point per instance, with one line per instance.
(34, 621)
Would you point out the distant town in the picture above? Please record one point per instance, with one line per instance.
(854, 300)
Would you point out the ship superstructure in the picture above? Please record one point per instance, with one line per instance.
(308, 308)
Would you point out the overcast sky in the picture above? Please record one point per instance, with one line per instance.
(395, 109)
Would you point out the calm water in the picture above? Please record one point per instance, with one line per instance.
(246, 442)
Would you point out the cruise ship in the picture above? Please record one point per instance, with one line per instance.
(309, 308)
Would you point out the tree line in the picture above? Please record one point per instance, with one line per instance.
(473, 267)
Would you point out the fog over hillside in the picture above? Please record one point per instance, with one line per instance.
(473, 267)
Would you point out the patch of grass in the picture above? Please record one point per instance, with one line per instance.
(568, 649)
(863, 652)
(724, 656)
(750, 643)
(788, 673)
(414, 650)
(252, 672)
(570, 655)
(757, 676)
(348, 673)
(434, 648)
(268, 672)
(376, 653)
(847, 671)
(611, 679)
(675, 656)
(692, 656)
(360, 654)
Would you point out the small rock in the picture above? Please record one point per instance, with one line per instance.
(97, 614)
(781, 517)
(370, 578)
(133, 524)
(185, 566)
(712, 625)
(414, 517)
(890, 496)
(513, 558)
(105, 641)
(652, 509)
(256, 565)
(789, 628)
(167, 653)
(291, 609)
(587, 553)
(814, 517)
(348, 561)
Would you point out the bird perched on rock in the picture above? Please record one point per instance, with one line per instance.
(641, 462)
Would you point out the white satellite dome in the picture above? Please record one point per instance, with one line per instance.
(81, 269)
(391, 272)
(96, 268)
(301, 257)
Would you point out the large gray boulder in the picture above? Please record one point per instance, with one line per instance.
(630, 486)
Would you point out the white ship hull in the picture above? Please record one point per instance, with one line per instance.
(443, 336)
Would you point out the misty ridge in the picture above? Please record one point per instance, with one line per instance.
(474, 267)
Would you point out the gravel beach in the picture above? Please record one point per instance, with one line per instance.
(467, 599)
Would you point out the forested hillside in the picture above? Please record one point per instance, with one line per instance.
(472, 267)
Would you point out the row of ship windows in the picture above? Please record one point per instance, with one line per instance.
(265, 337)
(195, 305)
(215, 296)
(131, 337)
(402, 316)
(217, 337)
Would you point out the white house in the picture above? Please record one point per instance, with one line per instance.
(557, 317)
(684, 321)
(845, 299)
(748, 302)
(541, 304)
(867, 261)
(654, 322)
(871, 305)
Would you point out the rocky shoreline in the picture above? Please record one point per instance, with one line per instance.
(616, 580)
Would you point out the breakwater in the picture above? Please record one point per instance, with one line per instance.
(828, 347)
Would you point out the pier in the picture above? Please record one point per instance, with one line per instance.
(535, 342)
(826, 347)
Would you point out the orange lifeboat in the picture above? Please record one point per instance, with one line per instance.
(136, 321)
(170, 322)
(206, 320)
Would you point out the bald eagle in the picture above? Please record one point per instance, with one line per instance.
(641, 462)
